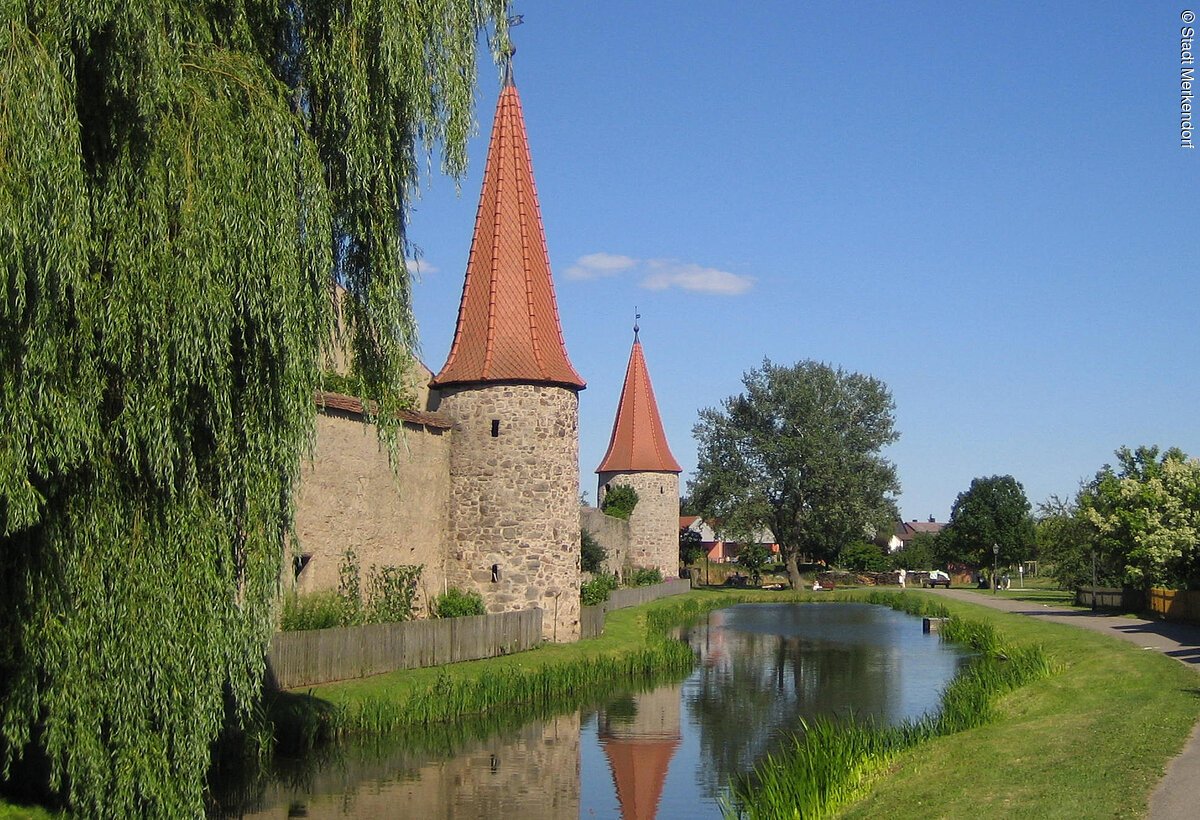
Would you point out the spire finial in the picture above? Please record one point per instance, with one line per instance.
(636, 316)
(515, 20)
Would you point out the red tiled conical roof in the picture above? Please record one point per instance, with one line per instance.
(508, 327)
(638, 441)
(639, 769)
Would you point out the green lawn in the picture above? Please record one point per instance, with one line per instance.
(1090, 741)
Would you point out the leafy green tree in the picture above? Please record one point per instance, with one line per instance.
(691, 546)
(592, 554)
(182, 184)
(919, 554)
(619, 501)
(861, 556)
(1066, 544)
(799, 452)
(1146, 516)
(752, 557)
(993, 510)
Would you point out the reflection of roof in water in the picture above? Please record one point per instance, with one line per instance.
(639, 769)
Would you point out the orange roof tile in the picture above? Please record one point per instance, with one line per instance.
(508, 326)
(638, 441)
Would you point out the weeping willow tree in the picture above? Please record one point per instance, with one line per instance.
(181, 184)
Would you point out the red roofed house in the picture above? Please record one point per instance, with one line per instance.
(905, 531)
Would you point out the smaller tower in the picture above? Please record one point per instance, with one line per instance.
(638, 456)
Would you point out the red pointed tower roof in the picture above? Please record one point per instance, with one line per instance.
(508, 327)
(638, 441)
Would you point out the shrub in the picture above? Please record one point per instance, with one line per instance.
(455, 603)
(591, 554)
(596, 591)
(644, 577)
(863, 557)
(391, 591)
(691, 547)
(753, 557)
(619, 501)
(320, 610)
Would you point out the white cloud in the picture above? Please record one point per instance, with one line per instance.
(595, 265)
(666, 273)
(420, 266)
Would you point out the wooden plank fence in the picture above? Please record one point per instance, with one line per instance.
(1175, 604)
(591, 618)
(318, 656)
(1128, 600)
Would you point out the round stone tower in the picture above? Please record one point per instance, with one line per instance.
(638, 456)
(513, 395)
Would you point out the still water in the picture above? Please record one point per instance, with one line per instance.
(669, 752)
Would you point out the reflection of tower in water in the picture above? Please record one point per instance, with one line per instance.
(639, 734)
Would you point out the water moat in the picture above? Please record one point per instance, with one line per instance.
(669, 752)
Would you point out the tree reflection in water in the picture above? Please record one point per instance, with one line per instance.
(764, 668)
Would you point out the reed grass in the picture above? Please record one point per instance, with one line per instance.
(830, 763)
(303, 722)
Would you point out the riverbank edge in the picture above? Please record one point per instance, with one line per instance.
(909, 784)
(835, 761)
(1092, 740)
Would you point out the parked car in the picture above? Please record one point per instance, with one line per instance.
(937, 578)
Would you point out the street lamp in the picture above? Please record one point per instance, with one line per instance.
(995, 562)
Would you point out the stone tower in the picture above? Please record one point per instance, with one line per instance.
(638, 456)
(513, 396)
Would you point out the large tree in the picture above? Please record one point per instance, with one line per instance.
(799, 452)
(1145, 517)
(181, 184)
(992, 511)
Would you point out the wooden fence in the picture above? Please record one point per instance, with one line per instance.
(1175, 605)
(320, 656)
(1168, 604)
(591, 618)
(1128, 600)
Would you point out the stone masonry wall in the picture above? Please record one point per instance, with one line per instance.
(654, 524)
(610, 533)
(515, 499)
(350, 498)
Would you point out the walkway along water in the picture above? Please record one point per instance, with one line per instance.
(1174, 798)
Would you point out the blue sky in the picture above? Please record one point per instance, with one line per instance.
(984, 205)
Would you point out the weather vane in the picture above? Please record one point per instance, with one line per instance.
(515, 20)
(636, 316)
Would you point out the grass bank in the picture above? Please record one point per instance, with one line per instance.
(1091, 740)
(634, 650)
(833, 761)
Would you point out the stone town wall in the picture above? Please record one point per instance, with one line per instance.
(350, 498)
(610, 533)
(654, 524)
(515, 499)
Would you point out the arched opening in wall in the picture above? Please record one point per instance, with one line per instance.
(495, 428)
(495, 573)
(299, 562)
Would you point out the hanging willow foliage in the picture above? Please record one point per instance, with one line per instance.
(181, 183)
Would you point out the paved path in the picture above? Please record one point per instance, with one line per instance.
(1175, 796)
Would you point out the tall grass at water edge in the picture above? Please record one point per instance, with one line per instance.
(302, 722)
(831, 762)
